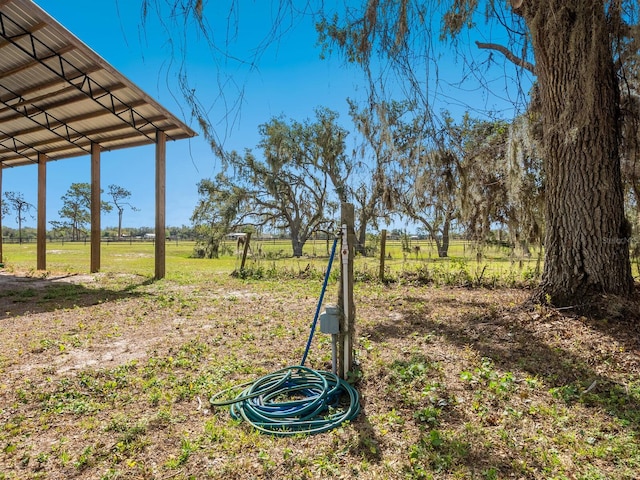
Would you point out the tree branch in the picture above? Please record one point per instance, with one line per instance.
(510, 56)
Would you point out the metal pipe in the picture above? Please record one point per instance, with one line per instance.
(334, 353)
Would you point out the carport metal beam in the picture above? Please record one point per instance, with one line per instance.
(74, 76)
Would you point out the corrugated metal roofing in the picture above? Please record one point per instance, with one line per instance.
(57, 96)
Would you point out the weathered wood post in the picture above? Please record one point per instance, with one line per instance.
(41, 246)
(245, 250)
(383, 247)
(95, 208)
(1, 239)
(161, 205)
(345, 292)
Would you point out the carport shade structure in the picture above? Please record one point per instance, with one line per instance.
(59, 99)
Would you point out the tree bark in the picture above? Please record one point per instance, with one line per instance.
(120, 210)
(297, 248)
(587, 235)
(296, 244)
(443, 249)
(362, 238)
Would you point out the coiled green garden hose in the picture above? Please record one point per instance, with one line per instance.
(292, 401)
(295, 400)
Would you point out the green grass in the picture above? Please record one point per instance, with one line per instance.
(497, 266)
(456, 383)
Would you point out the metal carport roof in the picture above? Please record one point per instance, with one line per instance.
(57, 96)
(60, 99)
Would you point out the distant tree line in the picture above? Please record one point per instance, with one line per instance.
(473, 176)
(29, 234)
(75, 214)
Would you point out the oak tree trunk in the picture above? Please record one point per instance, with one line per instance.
(443, 248)
(362, 237)
(297, 246)
(586, 244)
(120, 210)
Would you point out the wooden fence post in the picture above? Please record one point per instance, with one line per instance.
(383, 247)
(245, 250)
(345, 292)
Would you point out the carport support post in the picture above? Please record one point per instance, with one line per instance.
(345, 292)
(161, 182)
(41, 233)
(1, 239)
(95, 207)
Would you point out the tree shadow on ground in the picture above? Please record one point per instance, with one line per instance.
(540, 343)
(21, 295)
(518, 340)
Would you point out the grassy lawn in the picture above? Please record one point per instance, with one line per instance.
(497, 264)
(108, 376)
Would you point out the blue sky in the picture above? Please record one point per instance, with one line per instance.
(291, 80)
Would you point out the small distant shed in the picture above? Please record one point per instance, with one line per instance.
(237, 235)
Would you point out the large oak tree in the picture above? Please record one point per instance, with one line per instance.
(575, 62)
(587, 234)
(575, 50)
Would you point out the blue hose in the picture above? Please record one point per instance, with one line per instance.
(324, 288)
(294, 400)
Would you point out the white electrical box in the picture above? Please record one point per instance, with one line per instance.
(330, 320)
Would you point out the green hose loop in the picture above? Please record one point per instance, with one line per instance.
(292, 401)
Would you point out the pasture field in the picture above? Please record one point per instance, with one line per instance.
(498, 264)
(107, 376)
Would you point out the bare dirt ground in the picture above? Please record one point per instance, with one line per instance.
(108, 376)
(47, 308)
